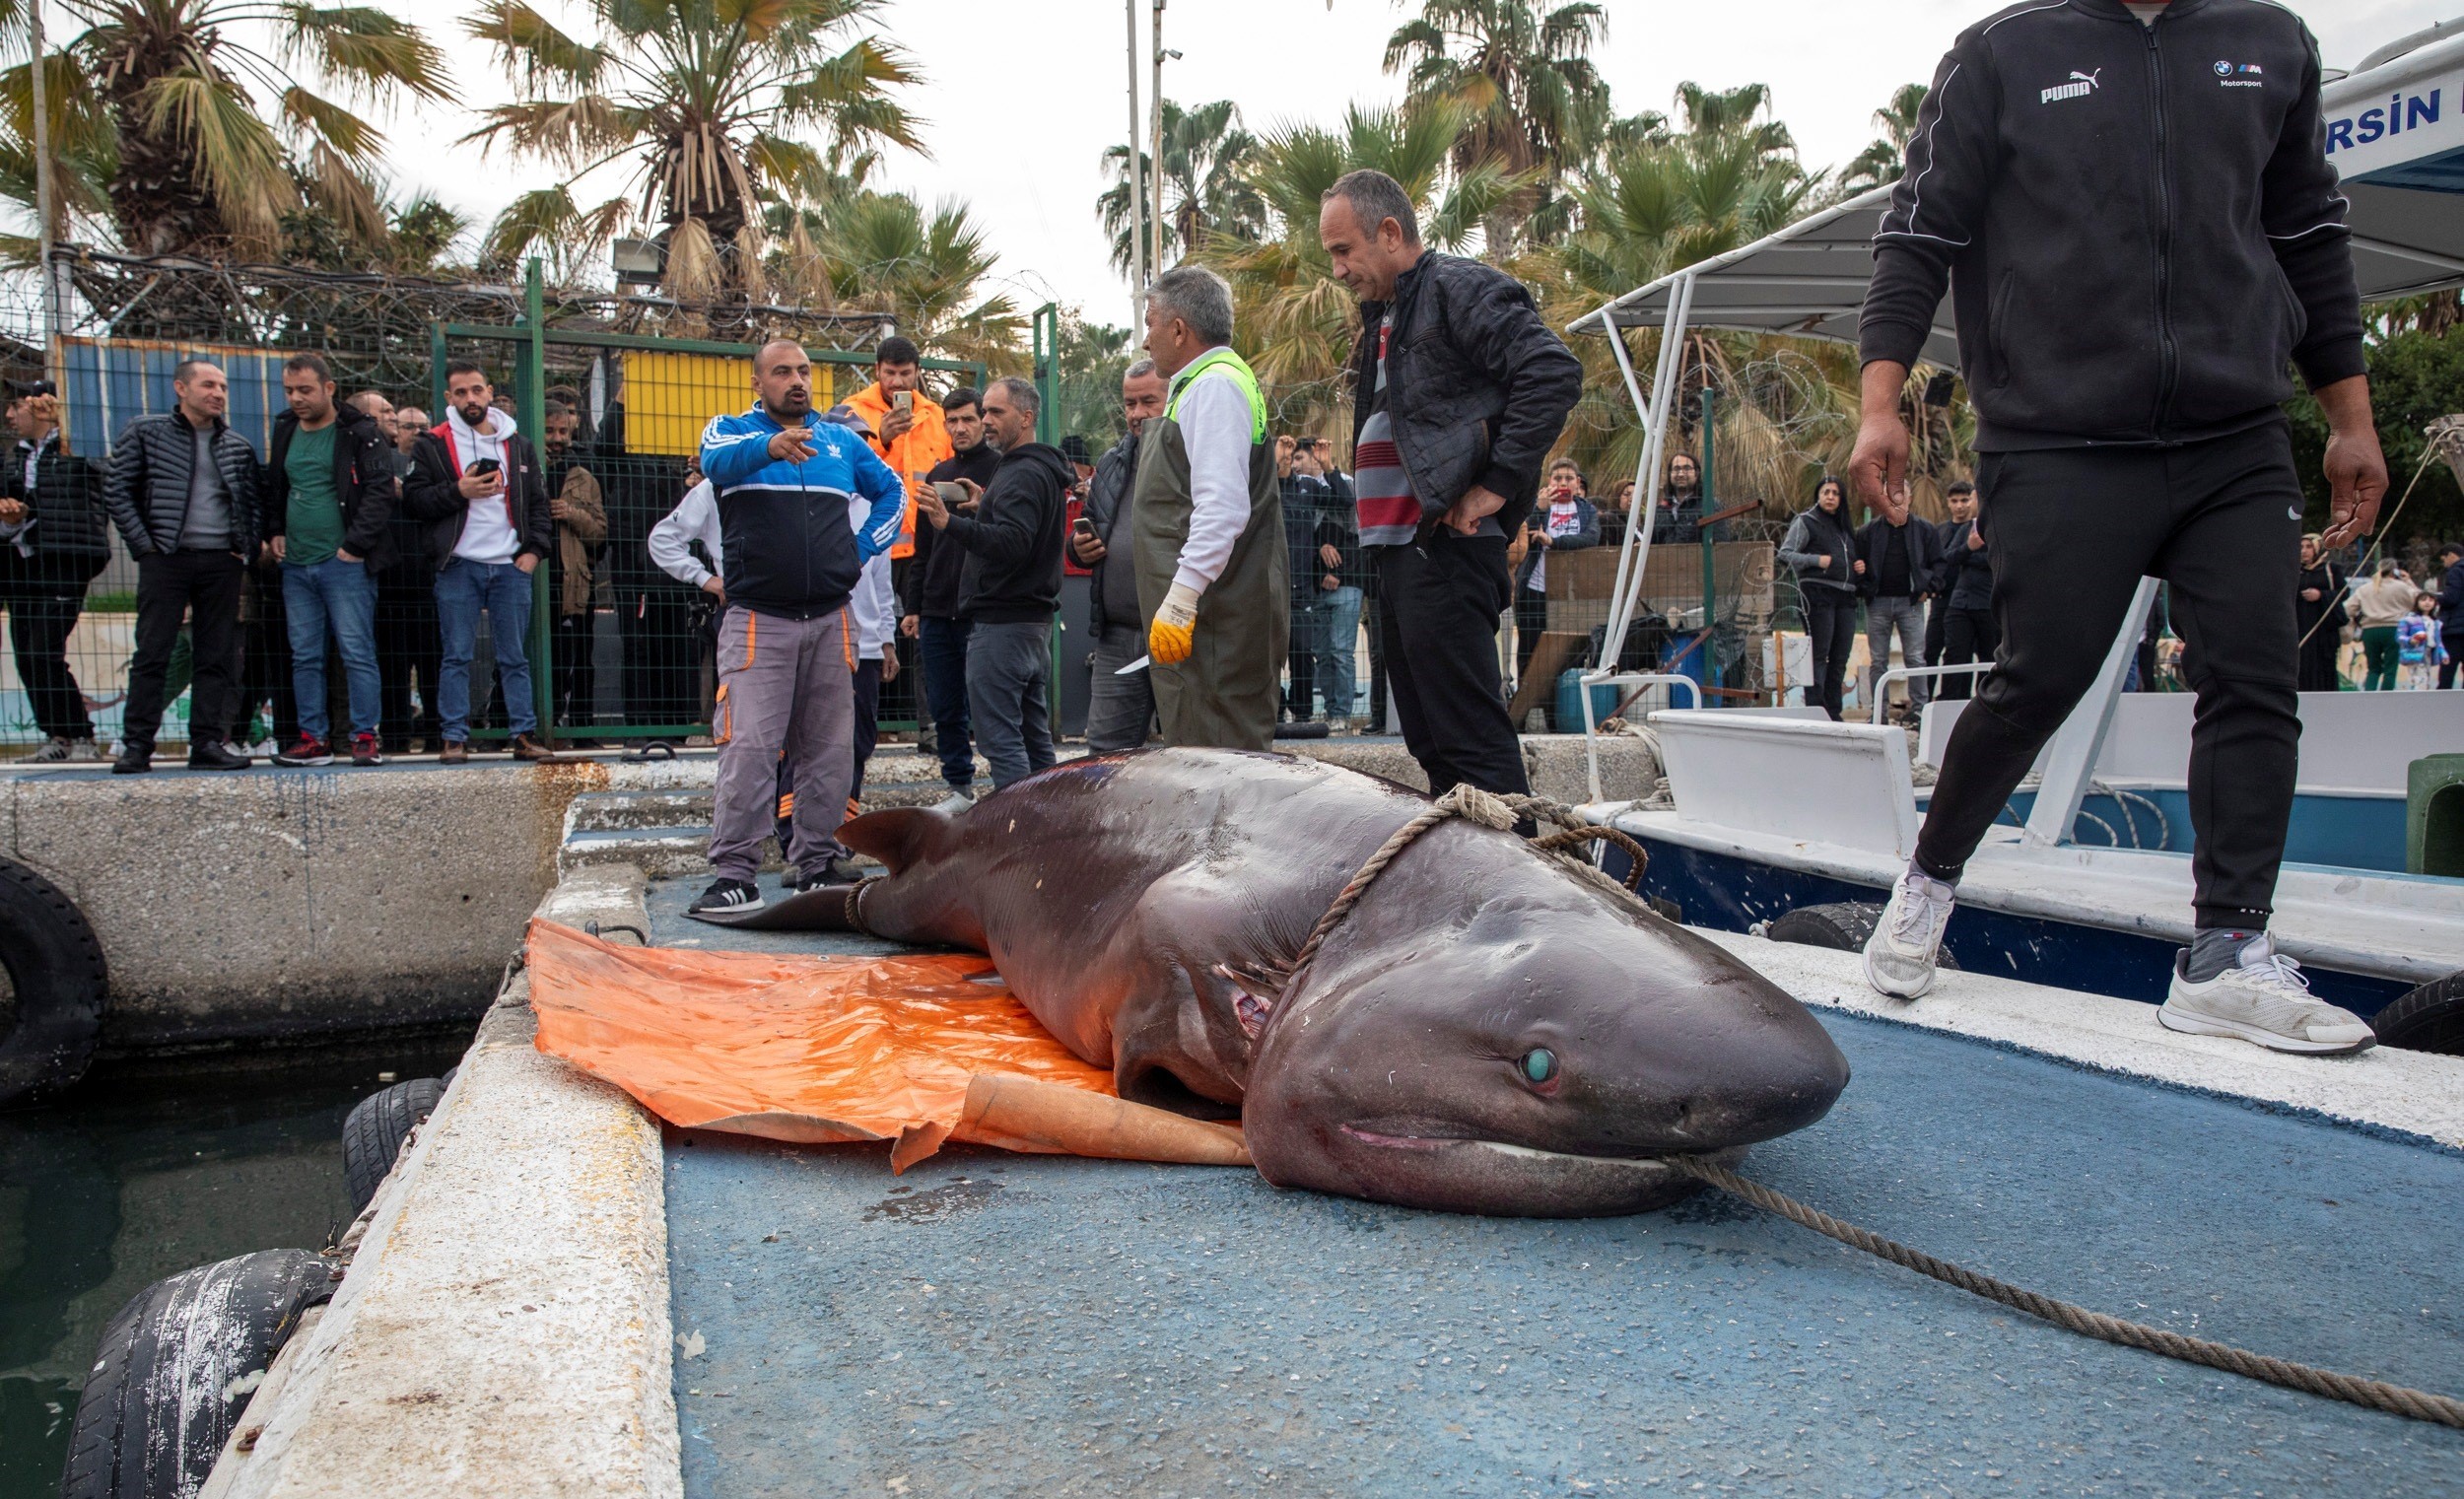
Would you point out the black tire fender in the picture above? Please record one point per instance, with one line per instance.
(2428, 1018)
(373, 1135)
(57, 979)
(176, 1369)
(1841, 925)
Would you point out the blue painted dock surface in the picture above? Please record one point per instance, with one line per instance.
(995, 1324)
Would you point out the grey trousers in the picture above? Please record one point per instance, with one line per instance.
(1120, 711)
(1882, 617)
(786, 688)
(1009, 670)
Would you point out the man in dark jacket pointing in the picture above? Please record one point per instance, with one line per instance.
(2133, 211)
(1458, 393)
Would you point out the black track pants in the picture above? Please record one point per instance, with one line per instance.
(2070, 531)
(1438, 603)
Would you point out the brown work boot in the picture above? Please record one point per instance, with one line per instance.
(456, 752)
(527, 747)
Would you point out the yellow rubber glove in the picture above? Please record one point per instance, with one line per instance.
(1168, 640)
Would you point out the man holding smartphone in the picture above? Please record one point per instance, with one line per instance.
(475, 485)
(907, 431)
(929, 602)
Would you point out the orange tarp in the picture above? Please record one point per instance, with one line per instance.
(916, 1049)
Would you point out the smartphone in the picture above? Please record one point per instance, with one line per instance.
(483, 466)
(1082, 526)
(952, 495)
(903, 400)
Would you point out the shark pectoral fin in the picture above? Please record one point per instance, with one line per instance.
(896, 836)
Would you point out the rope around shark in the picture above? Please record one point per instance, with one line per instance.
(1503, 812)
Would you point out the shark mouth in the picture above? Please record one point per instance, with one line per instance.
(1522, 1155)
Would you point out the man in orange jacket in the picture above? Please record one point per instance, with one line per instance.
(907, 430)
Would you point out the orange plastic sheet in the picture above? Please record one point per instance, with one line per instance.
(913, 1049)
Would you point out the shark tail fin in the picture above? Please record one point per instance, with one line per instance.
(896, 836)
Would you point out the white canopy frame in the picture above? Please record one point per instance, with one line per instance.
(2405, 195)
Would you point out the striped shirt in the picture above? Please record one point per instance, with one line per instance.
(1389, 512)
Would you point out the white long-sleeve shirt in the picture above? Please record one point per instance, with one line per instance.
(1215, 427)
(695, 518)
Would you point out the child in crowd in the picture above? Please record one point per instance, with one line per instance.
(2420, 648)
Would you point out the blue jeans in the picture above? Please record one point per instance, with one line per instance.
(344, 595)
(1338, 611)
(941, 650)
(465, 589)
(1009, 668)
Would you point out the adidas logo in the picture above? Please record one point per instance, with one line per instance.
(2081, 86)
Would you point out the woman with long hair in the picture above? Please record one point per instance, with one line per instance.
(1818, 548)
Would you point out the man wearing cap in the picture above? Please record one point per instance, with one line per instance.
(1207, 525)
(53, 540)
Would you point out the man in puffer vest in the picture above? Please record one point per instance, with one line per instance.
(1207, 527)
(787, 643)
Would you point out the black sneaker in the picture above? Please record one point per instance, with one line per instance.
(134, 760)
(306, 751)
(832, 872)
(728, 897)
(210, 755)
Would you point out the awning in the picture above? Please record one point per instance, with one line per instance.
(2396, 131)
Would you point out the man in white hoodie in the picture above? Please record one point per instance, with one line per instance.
(476, 488)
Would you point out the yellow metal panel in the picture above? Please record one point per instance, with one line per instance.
(670, 397)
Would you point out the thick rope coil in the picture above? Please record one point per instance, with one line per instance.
(1490, 810)
(2377, 1395)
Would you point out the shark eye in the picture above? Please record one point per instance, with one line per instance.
(1539, 1065)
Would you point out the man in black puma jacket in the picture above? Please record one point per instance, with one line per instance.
(2134, 212)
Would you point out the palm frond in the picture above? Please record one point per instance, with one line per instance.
(367, 51)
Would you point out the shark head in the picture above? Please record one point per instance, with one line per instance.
(1533, 1054)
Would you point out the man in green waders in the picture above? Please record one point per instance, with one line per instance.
(1206, 526)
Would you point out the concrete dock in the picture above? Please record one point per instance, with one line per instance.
(554, 1295)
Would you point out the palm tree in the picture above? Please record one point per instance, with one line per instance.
(885, 251)
(706, 99)
(165, 94)
(1536, 104)
(1883, 161)
(1291, 319)
(1207, 190)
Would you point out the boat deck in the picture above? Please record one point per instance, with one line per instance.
(995, 1324)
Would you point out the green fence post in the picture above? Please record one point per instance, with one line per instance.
(1048, 432)
(437, 356)
(1710, 662)
(530, 383)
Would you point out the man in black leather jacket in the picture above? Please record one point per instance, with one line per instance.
(1458, 393)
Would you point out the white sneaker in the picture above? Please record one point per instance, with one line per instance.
(954, 803)
(1899, 956)
(2263, 1000)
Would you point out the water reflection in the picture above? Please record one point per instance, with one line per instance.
(144, 1172)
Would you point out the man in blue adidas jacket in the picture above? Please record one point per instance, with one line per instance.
(787, 643)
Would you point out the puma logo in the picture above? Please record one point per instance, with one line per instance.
(2081, 86)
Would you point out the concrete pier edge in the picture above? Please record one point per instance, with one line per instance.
(503, 1327)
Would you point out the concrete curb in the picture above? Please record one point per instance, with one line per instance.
(2409, 1093)
(504, 1326)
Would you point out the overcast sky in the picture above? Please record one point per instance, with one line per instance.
(1023, 97)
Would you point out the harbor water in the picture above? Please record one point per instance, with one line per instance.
(145, 1171)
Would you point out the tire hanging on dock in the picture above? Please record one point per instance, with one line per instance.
(1841, 925)
(176, 1369)
(57, 979)
(2430, 1018)
(372, 1135)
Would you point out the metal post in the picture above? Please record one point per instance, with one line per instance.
(1710, 451)
(1155, 131)
(531, 394)
(1048, 373)
(1133, 181)
(46, 200)
(435, 370)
